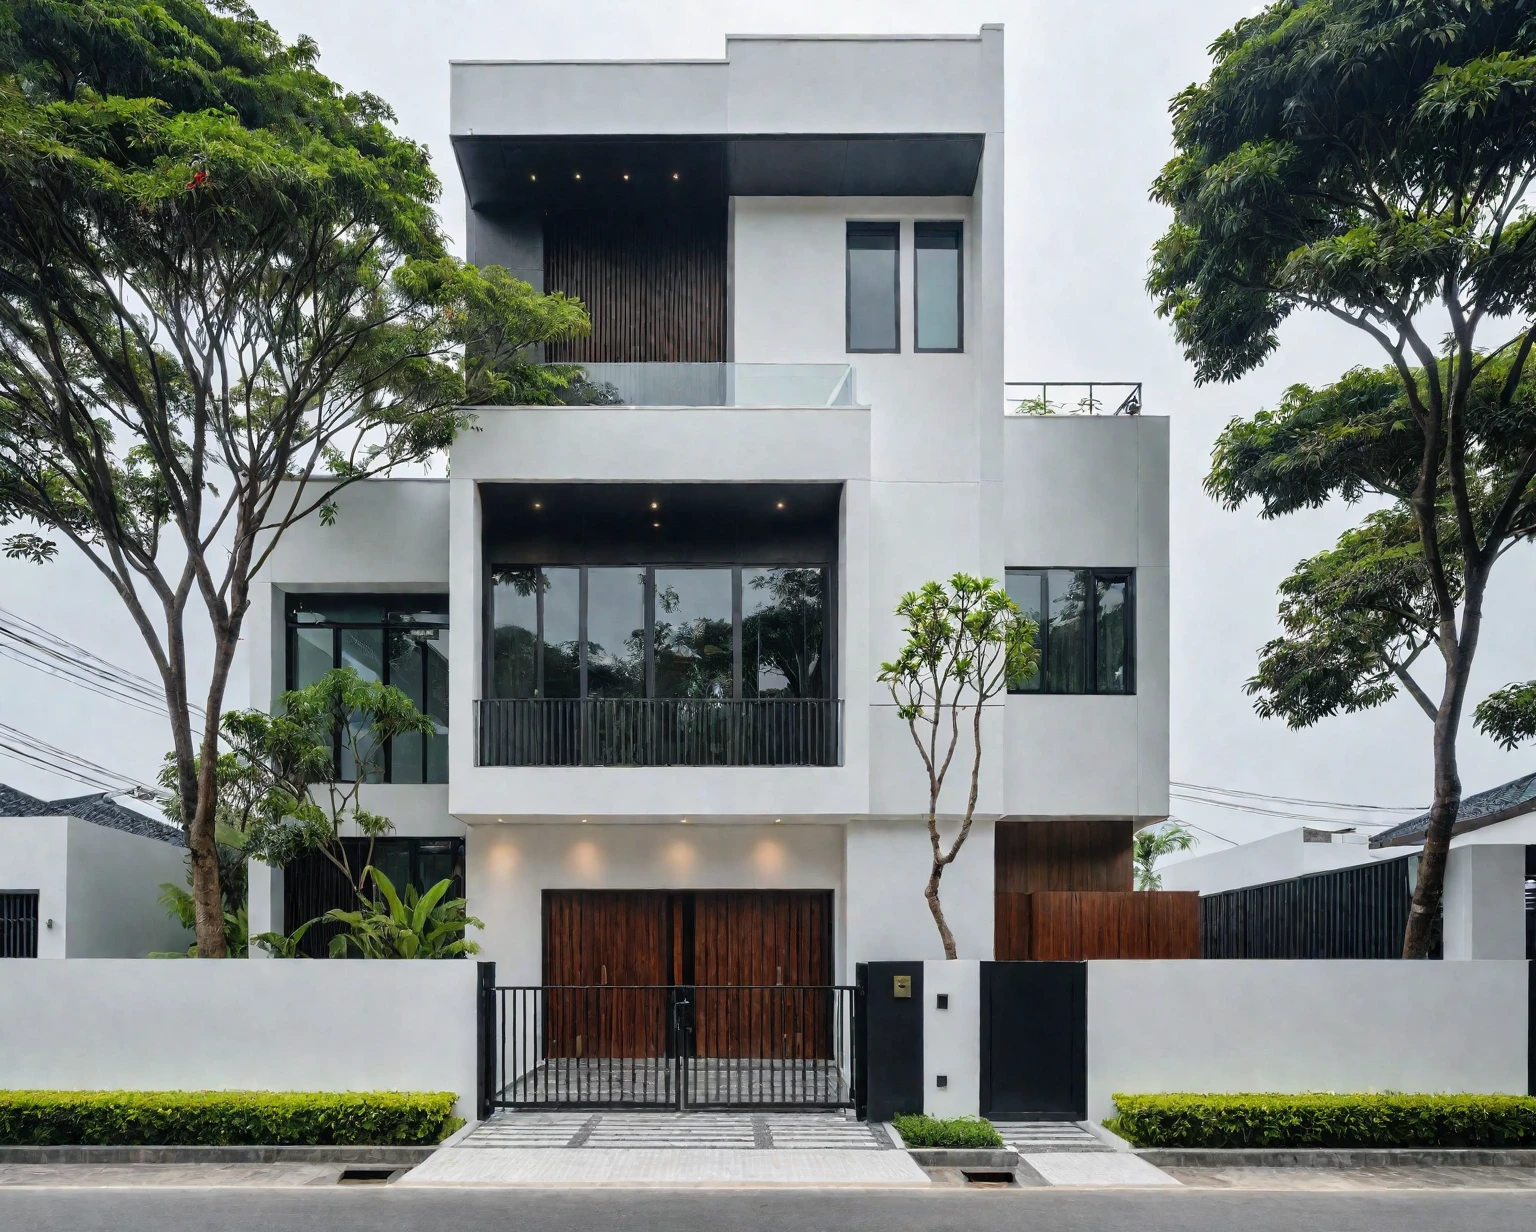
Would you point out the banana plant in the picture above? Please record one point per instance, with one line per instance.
(428, 925)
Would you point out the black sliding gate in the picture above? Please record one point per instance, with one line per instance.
(661, 1046)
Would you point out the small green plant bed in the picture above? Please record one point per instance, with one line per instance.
(226, 1118)
(1324, 1120)
(955, 1132)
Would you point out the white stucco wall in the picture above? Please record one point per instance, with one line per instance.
(97, 887)
(1277, 857)
(509, 865)
(312, 1025)
(888, 917)
(114, 882)
(34, 855)
(1092, 491)
(1484, 904)
(951, 1038)
(1267, 1025)
(764, 84)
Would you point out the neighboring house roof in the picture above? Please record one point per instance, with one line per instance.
(97, 809)
(1482, 809)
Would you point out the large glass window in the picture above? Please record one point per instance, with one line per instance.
(940, 294)
(783, 622)
(1086, 622)
(661, 631)
(615, 633)
(401, 640)
(874, 286)
(694, 633)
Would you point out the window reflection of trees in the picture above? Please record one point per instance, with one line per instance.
(783, 616)
(693, 651)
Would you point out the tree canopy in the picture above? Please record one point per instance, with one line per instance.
(1370, 160)
(219, 271)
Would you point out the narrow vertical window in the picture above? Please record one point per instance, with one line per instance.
(874, 283)
(940, 294)
(1112, 635)
(1027, 589)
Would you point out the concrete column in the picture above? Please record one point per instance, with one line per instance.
(1484, 902)
(952, 1037)
(264, 902)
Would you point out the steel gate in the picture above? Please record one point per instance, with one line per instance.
(667, 1046)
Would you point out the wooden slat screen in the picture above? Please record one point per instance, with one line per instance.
(1062, 855)
(653, 284)
(1074, 925)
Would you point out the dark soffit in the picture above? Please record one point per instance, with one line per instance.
(586, 172)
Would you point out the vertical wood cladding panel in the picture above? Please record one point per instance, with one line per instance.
(1075, 925)
(653, 284)
(597, 937)
(1062, 855)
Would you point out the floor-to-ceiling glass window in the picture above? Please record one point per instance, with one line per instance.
(401, 640)
(718, 631)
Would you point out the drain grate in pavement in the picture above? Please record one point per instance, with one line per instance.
(365, 1176)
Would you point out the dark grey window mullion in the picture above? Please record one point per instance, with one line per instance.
(736, 648)
(538, 631)
(650, 631)
(581, 633)
(336, 738)
(1045, 623)
(1091, 641)
(1130, 632)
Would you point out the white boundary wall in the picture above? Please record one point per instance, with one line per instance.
(298, 1025)
(1275, 1025)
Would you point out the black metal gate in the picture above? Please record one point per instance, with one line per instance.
(667, 1046)
(1034, 1040)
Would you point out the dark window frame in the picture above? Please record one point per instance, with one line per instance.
(20, 912)
(1090, 630)
(890, 228)
(828, 634)
(295, 600)
(928, 227)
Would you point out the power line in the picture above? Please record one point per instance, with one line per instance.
(1311, 818)
(33, 646)
(1333, 804)
(17, 745)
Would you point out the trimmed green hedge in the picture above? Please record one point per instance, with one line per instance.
(226, 1118)
(1324, 1120)
(965, 1132)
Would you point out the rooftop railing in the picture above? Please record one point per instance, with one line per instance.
(723, 385)
(1072, 397)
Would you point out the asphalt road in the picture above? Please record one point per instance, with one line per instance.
(325, 1209)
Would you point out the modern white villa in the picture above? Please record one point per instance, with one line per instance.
(649, 626)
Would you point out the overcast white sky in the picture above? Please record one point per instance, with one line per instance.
(1088, 86)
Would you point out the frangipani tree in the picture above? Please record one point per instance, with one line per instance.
(1371, 160)
(965, 643)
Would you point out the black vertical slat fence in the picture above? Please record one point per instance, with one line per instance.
(659, 731)
(18, 923)
(1357, 912)
(671, 1046)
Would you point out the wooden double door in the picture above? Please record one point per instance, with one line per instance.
(717, 973)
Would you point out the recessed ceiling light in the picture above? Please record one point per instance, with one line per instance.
(656, 525)
(778, 821)
(537, 505)
(781, 504)
(682, 821)
(655, 505)
(583, 821)
(626, 175)
(578, 175)
(674, 175)
(533, 177)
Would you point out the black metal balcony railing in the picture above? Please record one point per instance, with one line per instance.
(660, 731)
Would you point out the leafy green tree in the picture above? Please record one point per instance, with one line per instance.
(224, 296)
(1152, 844)
(301, 800)
(965, 644)
(1371, 160)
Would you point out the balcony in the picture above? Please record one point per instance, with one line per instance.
(1072, 397)
(659, 731)
(713, 385)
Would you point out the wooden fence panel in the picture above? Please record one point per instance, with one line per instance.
(1073, 925)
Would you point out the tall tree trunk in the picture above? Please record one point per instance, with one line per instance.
(932, 895)
(1429, 887)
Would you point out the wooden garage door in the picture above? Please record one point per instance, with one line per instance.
(612, 956)
(604, 962)
(773, 949)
